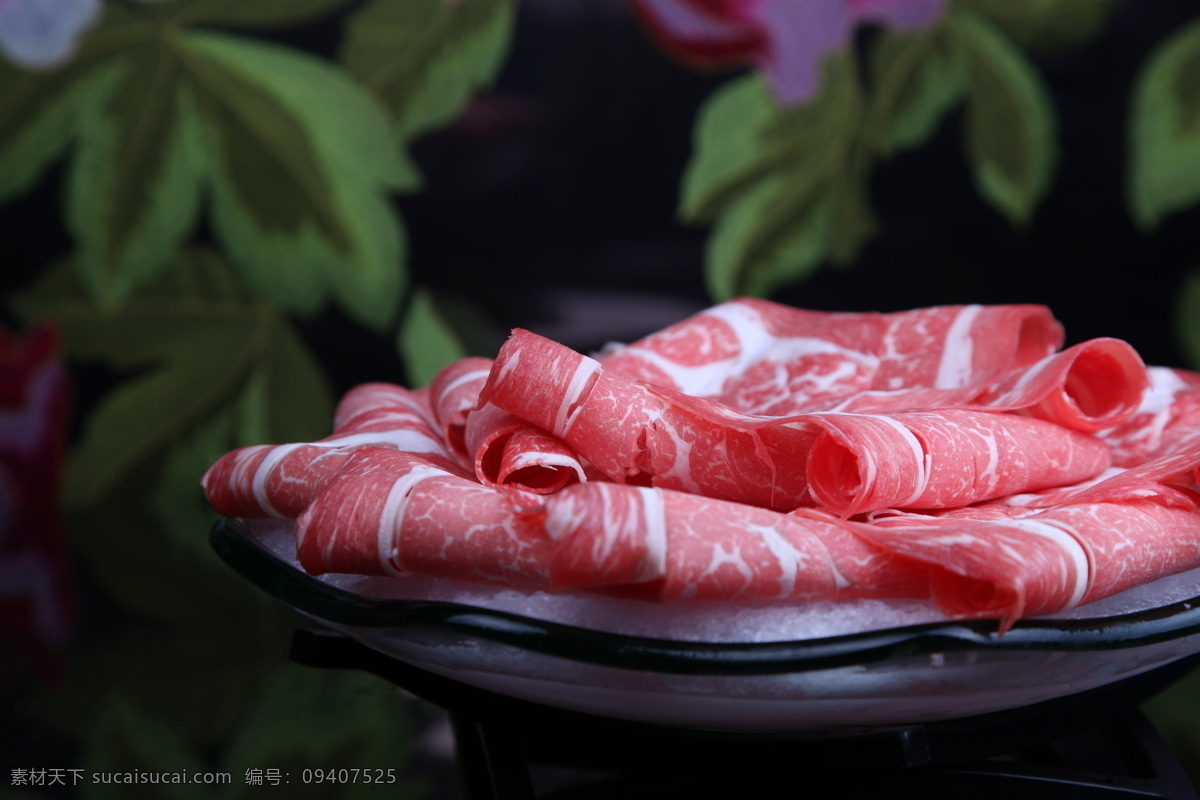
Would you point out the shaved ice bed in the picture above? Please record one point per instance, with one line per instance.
(757, 472)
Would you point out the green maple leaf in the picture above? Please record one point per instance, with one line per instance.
(1010, 123)
(425, 58)
(301, 163)
(780, 185)
(189, 348)
(769, 236)
(1164, 130)
(1045, 25)
(427, 340)
(918, 79)
(294, 162)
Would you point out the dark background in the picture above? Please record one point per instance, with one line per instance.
(571, 184)
(551, 204)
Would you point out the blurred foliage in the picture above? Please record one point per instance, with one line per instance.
(222, 187)
(1045, 25)
(423, 58)
(775, 182)
(787, 189)
(290, 159)
(193, 342)
(425, 355)
(1164, 130)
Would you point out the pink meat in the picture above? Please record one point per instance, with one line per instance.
(229, 484)
(997, 568)
(1133, 541)
(757, 356)
(453, 393)
(1009, 563)
(391, 513)
(634, 432)
(1175, 467)
(377, 401)
(280, 480)
(946, 347)
(671, 545)
(606, 534)
(510, 451)
(1094, 385)
(759, 452)
(501, 448)
(765, 358)
(1171, 394)
(942, 459)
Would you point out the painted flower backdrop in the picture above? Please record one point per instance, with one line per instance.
(786, 40)
(221, 213)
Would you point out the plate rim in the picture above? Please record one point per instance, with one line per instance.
(234, 544)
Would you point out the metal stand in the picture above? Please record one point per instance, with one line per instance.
(1091, 745)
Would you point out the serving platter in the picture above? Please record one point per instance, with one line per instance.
(815, 666)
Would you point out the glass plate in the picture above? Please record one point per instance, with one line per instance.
(819, 666)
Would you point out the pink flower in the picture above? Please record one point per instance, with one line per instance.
(40, 34)
(36, 596)
(787, 39)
